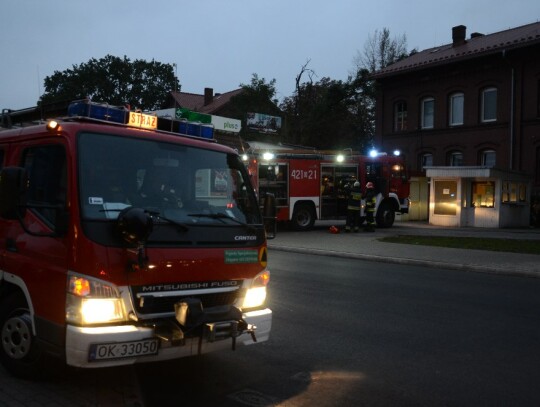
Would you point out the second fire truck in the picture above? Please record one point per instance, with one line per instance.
(310, 185)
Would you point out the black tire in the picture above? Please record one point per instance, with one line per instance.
(303, 217)
(19, 351)
(385, 215)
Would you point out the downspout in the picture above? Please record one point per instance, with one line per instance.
(512, 110)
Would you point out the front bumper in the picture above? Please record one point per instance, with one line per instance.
(79, 341)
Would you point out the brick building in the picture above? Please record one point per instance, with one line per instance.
(472, 103)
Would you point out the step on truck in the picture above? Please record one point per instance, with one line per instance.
(124, 241)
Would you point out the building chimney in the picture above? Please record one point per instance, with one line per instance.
(208, 96)
(458, 35)
(476, 35)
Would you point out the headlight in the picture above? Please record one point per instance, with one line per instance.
(256, 294)
(90, 301)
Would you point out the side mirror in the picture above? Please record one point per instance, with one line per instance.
(13, 187)
(269, 216)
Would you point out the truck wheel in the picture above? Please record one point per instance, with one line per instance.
(19, 352)
(303, 218)
(385, 215)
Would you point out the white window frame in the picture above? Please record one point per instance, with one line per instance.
(457, 109)
(425, 123)
(485, 92)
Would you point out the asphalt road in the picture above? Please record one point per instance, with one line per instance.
(354, 333)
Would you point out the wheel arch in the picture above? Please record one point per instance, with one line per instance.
(11, 285)
(303, 223)
(305, 202)
(391, 200)
(386, 211)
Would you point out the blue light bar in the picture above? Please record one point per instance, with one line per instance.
(116, 114)
(196, 129)
(99, 111)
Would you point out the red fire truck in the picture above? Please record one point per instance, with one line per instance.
(310, 185)
(123, 243)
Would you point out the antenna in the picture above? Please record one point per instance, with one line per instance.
(38, 82)
(39, 93)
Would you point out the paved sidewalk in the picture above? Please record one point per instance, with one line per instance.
(367, 246)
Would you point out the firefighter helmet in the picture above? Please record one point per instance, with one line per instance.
(369, 185)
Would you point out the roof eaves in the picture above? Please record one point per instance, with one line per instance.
(447, 53)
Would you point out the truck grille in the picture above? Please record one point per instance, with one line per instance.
(149, 304)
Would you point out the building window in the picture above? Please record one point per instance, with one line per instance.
(514, 192)
(483, 194)
(455, 159)
(457, 101)
(487, 158)
(428, 113)
(489, 105)
(426, 160)
(400, 116)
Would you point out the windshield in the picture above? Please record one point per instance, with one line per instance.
(178, 183)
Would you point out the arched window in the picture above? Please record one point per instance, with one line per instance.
(455, 159)
(456, 104)
(428, 113)
(488, 158)
(400, 116)
(426, 160)
(489, 105)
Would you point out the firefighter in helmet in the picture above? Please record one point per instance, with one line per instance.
(354, 204)
(370, 197)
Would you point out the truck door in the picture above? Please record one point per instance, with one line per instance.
(35, 254)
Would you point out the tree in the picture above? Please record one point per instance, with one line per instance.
(141, 84)
(379, 52)
(331, 114)
(257, 96)
(322, 114)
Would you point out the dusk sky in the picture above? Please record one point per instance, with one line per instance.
(220, 43)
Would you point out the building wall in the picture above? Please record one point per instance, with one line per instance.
(514, 136)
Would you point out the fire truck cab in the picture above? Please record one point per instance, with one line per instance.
(124, 240)
(310, 185)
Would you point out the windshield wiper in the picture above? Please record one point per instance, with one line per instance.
(181, 226)
(220, 216)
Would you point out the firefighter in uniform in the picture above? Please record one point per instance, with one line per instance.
(354, 204)
(370, 197)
